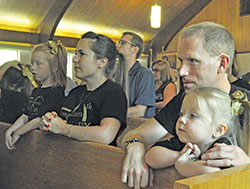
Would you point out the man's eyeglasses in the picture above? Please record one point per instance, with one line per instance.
(155, 70)
(123, 42)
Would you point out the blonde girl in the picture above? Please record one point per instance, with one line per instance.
(48, 67)
(205, 119)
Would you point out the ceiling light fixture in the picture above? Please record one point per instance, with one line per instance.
(155, 16)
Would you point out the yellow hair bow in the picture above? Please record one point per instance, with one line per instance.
(54, 46)
(27, 73)
(239, 98)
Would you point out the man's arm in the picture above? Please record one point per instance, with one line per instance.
(188, 165)
(194, 168)
(222, 155)
(136, 111)
(135, 171)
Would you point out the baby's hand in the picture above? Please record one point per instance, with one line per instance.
(190, 152)
(196, 151)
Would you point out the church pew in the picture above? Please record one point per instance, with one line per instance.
(43, 160)
(231, 178)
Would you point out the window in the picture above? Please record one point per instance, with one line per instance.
(70, 65)
(8, 55)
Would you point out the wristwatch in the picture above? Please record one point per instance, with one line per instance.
(131, 141)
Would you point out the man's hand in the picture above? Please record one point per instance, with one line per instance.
(222, 155)
(135, 172)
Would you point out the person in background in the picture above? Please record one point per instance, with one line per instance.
(7, 65)
(175, 79)
(48, 66)
(97, 110)
(210, 108)
(205, 52)
(165, 89)
(236, 78)
(141, 80)
(15, 90)
(246, 77)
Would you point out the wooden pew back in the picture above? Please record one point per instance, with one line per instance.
(51, 161)
(43, 160)
(231, 178)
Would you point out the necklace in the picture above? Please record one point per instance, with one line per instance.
(82, 100)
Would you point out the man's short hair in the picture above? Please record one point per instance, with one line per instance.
(216, 39)
(137, 41)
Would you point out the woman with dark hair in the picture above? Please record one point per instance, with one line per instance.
(95, 111)
(15, 90)
(164, 86)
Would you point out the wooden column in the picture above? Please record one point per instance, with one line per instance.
(51, 20)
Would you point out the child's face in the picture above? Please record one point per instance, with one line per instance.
(40, 67)
(192, 126)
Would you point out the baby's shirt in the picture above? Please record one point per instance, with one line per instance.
(175, 144)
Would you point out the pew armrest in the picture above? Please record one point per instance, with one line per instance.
(235, 177)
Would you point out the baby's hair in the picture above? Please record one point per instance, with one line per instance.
(241, 108)
(218, 104)
(57, 58)
(13, 80)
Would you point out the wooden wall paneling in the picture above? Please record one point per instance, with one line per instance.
(227, 14)
(116, 16)
(23, 14)
(19, 37)
(169, 31)
(244, 62)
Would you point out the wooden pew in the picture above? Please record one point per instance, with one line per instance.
(52, 161)
(232, 178)
(43, 160)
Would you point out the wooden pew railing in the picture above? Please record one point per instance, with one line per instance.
(52, 161)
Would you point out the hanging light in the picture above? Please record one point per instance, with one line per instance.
(155, 16)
